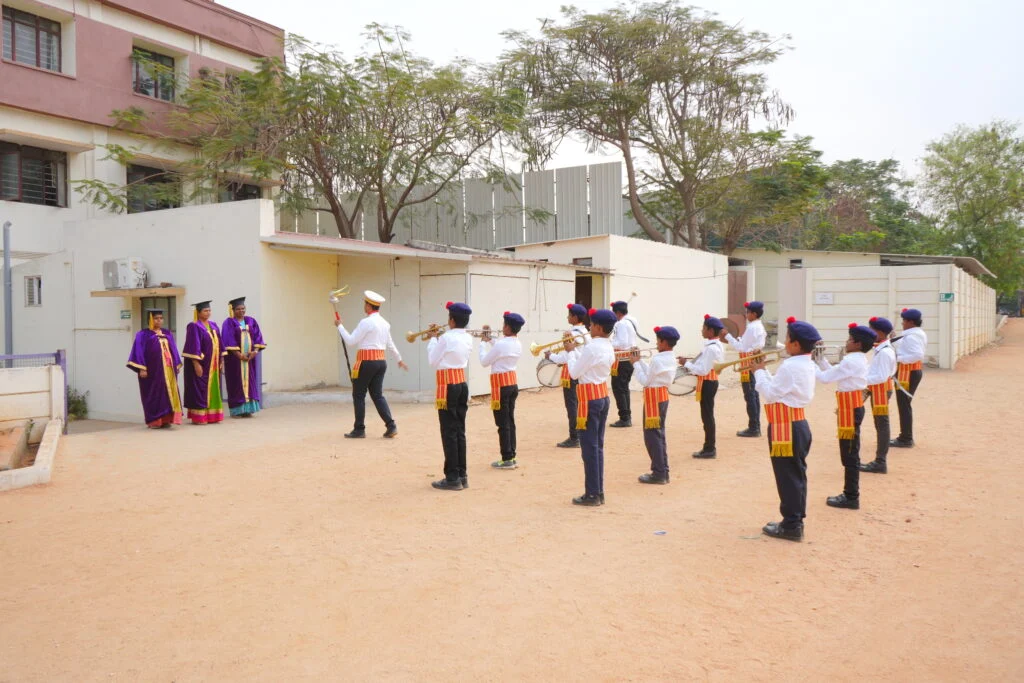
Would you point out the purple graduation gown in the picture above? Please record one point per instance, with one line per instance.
(242, 380)
(157, 354)
(205, 346)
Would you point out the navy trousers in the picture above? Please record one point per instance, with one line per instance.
(903, 402)
(453, 431)
(753, 404)
(707, 412)
(654, 439)
(882, 430)
(571, 404)
(505, 420)
(791, 476)
(849, 455)
(620, 389)
(371, 378)
(592, 445)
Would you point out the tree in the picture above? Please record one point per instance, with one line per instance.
(974, 179)
(377, 134)
(676, 91)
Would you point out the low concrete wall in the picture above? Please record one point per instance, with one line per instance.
(35, 394)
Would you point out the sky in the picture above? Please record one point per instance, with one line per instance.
(869, 79)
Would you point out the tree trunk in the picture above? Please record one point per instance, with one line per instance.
(634, 197)
(340, 219)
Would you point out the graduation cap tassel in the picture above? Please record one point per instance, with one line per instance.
(151, 321)
(195, 314)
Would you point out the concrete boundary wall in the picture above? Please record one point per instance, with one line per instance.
(35, 394)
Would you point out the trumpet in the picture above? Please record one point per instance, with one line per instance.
(743, 364)
(485, 332)
(822, 350)
(536, 349)
(424, 335)
(644, 353)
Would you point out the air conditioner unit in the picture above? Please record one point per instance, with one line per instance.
(125, 273)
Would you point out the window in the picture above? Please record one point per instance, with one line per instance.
(34, 290)
(151, 189)
(795, 263)
(31, 40)
(239, 192)
(588, 261)
(32, 175)
(167, 303)
(153, 74)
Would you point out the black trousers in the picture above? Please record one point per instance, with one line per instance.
(453, 431)
(708, 391)
(753, 404)
(791, 476)
(657, 448)
(571, 404)
(592, 446)
(882, 430)
(903, 402)
(371, 378)
(620, 389)
(849, 455)
(505, 419)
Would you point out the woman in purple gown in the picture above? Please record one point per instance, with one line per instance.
(203, 349)
(243, 341)
(155, 359)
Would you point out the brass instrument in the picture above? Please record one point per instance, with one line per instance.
(644, 353)
(486, 331)
(424, 335)
(743, 364)
(536, 349)
(822, 350)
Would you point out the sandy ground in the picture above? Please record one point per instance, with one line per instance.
(272, 549)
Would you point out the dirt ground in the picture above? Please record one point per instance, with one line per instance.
(272, 549)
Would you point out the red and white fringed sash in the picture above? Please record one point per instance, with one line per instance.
(847, 402)
(710, 377)
(653, 397)
(365, 355)
(584, 394)
(745, 375)
(499, 380)
(781, 417)
(903, 371)
(565, 377)
(444, 378)
(880, 397)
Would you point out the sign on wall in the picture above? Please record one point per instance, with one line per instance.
(945, 297)
(825, 298)
(126, 315)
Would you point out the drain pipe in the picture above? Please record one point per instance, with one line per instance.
(8, 288)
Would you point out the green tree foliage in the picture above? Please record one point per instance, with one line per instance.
(676, 91)
(974, 180)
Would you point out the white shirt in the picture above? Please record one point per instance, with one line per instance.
(660, 372)
(594, 365)
(883, 364)
(793, 383)
(911, 347)
(850, 375)
(451, 350)
(713, 353)
(752, 339)
(624, 333)
(503, 356)
(562, 357)
(372, 332)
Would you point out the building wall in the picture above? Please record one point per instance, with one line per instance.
(767, 265)
(974, 314)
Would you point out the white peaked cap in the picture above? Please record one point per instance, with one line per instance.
(373, 297)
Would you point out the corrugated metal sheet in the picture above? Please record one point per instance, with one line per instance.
(450, 220)
(479, 215)
(539, 188)
(606, 199)
(370, 220)
(571, 198)
(420, 219)
(508, 217)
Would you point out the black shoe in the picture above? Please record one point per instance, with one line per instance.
(589, 500)
(569, 443)
(706, 454)
(841, 501)
(355, 435)
(876, 466)
(446, 485)
(465, 482)
(601, 496)
(651, 478)
(776, 530)
(750, 433)
(900, 443)
(391, 433)
(621, 423)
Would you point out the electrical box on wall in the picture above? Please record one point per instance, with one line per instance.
(125, 273)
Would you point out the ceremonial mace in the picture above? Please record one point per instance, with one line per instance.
(335, 296)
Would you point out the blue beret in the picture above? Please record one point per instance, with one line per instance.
(513, 318)
(603, 317)
(713, 322)
(862, 333)
(458, 309)
(911, 314)
(802, 331)
(620, 306)
(880, 324)
(577, 310)
(667, 332)
(755, 306)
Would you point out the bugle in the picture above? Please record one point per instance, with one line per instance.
(644, 353)
(485, 332)
(423, 335)
(537, 349)
(823, 350)
(743, 364)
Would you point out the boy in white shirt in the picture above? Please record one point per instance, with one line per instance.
(703, 366)
(502, 358)
(593, 369)
(751, 342)
(789, 436)
(623, 339)
(449, 356)
(851, 379)
(910, 351)
(579, 319)
(655, 378)
(880, 384)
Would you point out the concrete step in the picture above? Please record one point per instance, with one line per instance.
(14, 445)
